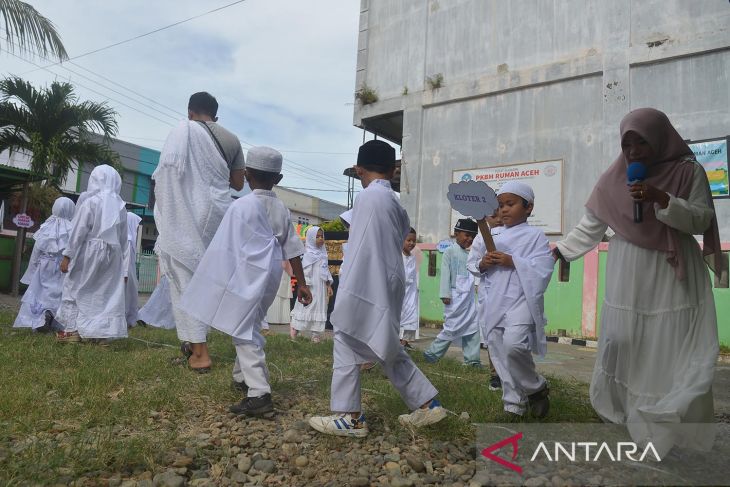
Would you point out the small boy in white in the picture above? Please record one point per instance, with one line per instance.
(238, 277)
(459, 297)
(313, 317)
(367, 312)
(518, 273)
(409, 317)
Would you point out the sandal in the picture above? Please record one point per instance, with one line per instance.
(540, 402)
(186, 348)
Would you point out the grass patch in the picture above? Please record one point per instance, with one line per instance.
(80, 409)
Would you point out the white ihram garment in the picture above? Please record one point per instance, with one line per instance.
(658, 341)
(367, 311)
(515, 320)
(235, 284)
(280, 310)
(43, 276)
(477, 251)
(132, 286)
(191, 196)
(97, 247)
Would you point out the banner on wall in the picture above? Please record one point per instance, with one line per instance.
(545, 178)
(712, 154)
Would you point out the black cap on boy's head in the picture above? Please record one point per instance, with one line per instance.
(466, 225)
(203, 103)
(376, 155)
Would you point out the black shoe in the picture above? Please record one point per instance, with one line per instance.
(239, 386)
(254, 406)
(539, 403)
(495, 383)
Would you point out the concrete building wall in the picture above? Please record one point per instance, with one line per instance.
(532, 80)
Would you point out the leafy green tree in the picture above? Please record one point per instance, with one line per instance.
(54, 128)
(26, 30)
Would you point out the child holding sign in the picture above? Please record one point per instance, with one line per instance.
(517, 274)
(459, 298)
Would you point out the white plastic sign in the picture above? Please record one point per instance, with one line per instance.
(23, 220)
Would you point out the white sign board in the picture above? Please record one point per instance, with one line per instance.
(22, 220)
(546, 180)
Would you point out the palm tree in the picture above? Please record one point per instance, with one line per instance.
(27, 30)
(53, 127)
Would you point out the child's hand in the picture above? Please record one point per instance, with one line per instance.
(484, 264)
(329, 291)
(499, 258)
(304, 295)
(64, 264)
(446, 300)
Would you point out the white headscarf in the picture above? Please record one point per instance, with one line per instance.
(52, 236)
(105, 184)
(312, 253)
(133, 221)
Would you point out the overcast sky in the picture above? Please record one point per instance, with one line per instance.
(283, 72)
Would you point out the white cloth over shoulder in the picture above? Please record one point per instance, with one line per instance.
(157, 311)
(656, 350)
(97, 247)
(239, 274)
(516, 295)
(192, 193)
(43, 276)
(370, 294)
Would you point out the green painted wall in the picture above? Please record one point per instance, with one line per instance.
(431, 307)
(563, 301)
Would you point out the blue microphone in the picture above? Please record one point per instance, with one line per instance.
(636, 173)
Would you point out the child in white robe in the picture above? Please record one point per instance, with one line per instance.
(94, 259)
(313, 317)
(157, 311)
(131, 291)
(239, 274)
(477, 251)
(518, 273)
(44, 278)
(409, 317)
(366, 318)
(459, 297)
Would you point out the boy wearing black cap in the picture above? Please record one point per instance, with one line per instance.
(367, 312)
(459, 297)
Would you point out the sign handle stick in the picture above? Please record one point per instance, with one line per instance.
(486, 234)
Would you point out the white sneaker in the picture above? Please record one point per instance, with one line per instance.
(423, 417)
(340, 425)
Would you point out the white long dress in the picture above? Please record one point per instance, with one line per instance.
(131, 291)
(43, 276)
(409, 316)
(157, 311)
(97, 247)
(314, 316)
(280, 310)
(658, 336)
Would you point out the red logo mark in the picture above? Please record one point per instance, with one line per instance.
(487, 452)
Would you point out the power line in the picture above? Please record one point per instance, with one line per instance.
(300, 170)
(150, 32)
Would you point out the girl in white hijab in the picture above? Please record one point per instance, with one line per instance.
(43, 276)
(313, 317)
(94, 260)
